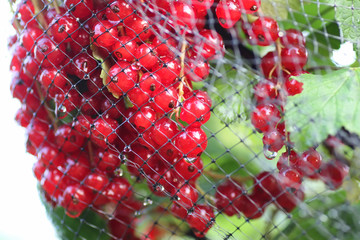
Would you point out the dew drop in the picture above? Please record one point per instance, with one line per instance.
(190, 160)
(119, 172)
(269, 154)
(147, 201)
(159, 188)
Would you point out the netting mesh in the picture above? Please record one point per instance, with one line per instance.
(191, 119)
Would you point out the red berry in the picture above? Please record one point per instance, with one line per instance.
(201, 219)
(68, 139)
(187, 196)
(211, 45)
(265, 117)
(138, 28)
(75, 199)
(190, 171)
(64, 28)
(191, 142)
(290, 178)
(165, 100)
(125, 49)
(118, 189)
(196, 109)
(29, 36)
(225, 196)
(168, 70)
(164, 131)
(146, 56)
(266, 187)
(119, 10)
(289, 200)
(183, 15)
(333, 173)
(309, 162)
(48, 53)
(80, 8)
(294, 58)
(121, 78)
(250, 6)
(265, 91)
(273, 140)
(292, 37)
(104, 34)
(228, 13)
(144, 118)
(107, 160)
(264, 31)
(104, 132)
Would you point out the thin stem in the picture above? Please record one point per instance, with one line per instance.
(18, 28)
(216, 175)
(56, 6)
(181, 75)
(38, 6)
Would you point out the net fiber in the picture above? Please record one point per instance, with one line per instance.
(191, 119)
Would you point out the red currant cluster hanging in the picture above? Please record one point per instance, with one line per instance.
(108, 84)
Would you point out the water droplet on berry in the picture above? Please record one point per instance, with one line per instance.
(119, 172)
(159, 188)
(61, 112)
(137, 213)
(136, 66)
(269, 154)
(147, 201)
(190, 160)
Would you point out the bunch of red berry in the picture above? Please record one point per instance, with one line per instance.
(107, 87)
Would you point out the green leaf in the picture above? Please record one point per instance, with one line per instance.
(89, 226)
(327, 103)
(230, 91)
(347, 14)
(327, 216)
(104, 58)
(279, 9)
(312, 15)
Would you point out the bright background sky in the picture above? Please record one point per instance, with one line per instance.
(22, 216)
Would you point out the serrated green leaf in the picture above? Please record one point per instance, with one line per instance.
(279, 9)
(348, 16)
(327, 103)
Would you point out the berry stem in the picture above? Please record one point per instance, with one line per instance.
(38, 6)
(56, 6)
(91, 152)
(16, 21)
(181, 76)
(216, 175)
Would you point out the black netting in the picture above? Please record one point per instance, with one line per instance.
(191, 119)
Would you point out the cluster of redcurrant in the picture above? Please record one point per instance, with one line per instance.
(270, 95)
(127, 116)
(107, 86)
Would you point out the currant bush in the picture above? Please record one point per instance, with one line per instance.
(116, 98)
